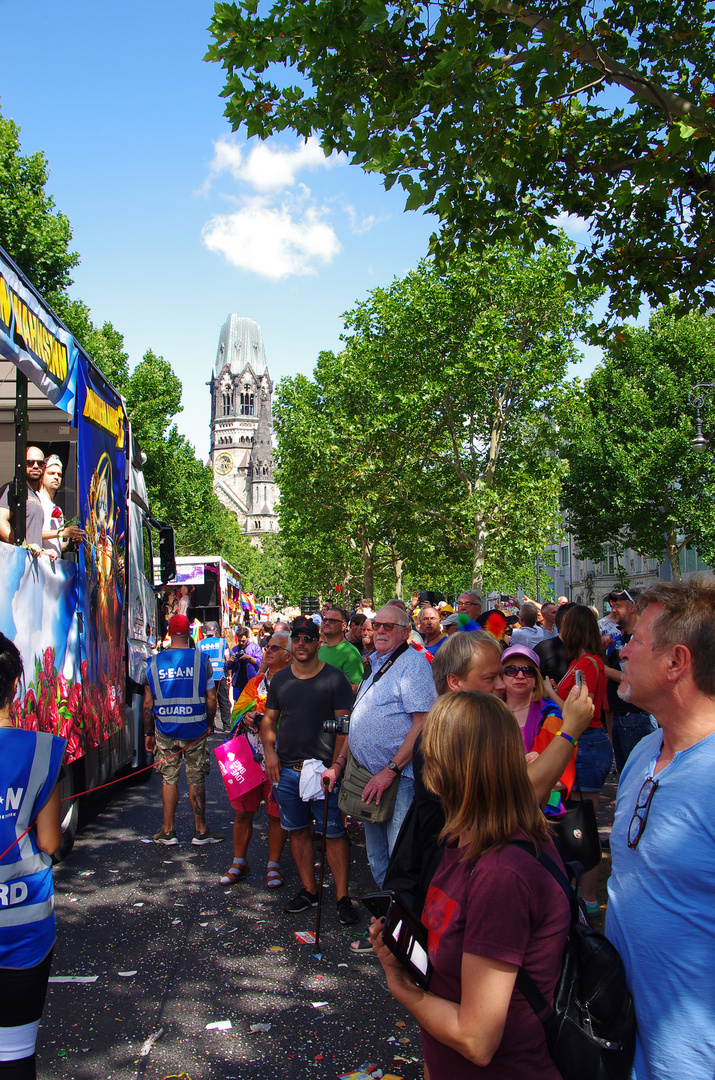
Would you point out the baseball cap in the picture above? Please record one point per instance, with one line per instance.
(304, 625)
(623, 594)
(179, 626)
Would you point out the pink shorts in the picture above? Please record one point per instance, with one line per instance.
(250, 802)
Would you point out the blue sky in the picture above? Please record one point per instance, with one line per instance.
(178, 221)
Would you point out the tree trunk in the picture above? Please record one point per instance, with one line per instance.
(368, 563)
(398, 565)
(480, 552)
(673, 549)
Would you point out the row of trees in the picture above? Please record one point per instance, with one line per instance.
(440, 446)
(180, 486)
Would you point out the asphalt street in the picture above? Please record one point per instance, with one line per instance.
(170, 952)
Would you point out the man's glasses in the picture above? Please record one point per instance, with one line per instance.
(302, 639)
(466, 603)
(640, 814)
(325, 620)
(276, 648)
(513, 669)
(388, 627)
(35, 463)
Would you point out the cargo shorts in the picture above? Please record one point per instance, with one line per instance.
(195, 755)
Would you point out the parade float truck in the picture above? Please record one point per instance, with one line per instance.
(213, 586)
(86, 623)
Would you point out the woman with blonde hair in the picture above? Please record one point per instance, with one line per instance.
(491, 907)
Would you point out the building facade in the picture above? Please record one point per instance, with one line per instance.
(242, 428)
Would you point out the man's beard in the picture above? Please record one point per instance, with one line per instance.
(624, 692)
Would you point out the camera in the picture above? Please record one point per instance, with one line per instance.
(340, 725)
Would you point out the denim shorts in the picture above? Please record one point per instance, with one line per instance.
(593, 760)
(296, 814)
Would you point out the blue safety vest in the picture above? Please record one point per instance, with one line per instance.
(214, 648)
(177, 679)
(30, 763)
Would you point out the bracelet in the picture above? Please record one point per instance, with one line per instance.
(341, 757)
(565, 735)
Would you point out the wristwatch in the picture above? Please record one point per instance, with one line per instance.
(394, 767)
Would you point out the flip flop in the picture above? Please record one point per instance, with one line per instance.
(362, 946)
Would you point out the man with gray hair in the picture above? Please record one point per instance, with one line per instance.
(387, 716)
(470, 602)
(530, 634)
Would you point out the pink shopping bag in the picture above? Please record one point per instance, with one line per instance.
(239, 770)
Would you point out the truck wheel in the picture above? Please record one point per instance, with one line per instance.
(70, 816)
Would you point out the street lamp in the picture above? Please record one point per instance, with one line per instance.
(700, 443)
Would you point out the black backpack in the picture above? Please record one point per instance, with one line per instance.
(591, 1029)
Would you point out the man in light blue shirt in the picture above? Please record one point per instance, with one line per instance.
(389, 711)
(660, 911)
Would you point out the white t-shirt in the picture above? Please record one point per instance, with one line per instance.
(54, 520)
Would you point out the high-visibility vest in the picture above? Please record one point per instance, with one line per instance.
(177, 679)
(30, 763)
(214, 647)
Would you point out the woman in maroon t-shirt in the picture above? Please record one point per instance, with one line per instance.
(491, 907)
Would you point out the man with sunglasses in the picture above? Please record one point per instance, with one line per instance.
(389, 711)
(336, 650)
(34, 513)
(630, 724)
(660, 910)
(303, 697)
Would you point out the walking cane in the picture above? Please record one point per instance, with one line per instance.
(322, 863)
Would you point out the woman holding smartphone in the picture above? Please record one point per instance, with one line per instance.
(491, 907)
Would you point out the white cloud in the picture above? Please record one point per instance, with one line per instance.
(270, 166)
(572, 224)
(273, 241)
(359, 226)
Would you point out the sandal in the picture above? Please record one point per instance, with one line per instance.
(274, 878)
(234, 874)
(362, 946)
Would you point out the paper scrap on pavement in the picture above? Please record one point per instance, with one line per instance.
(142, 841)
(126, 974)
(319, 1004)
(73, 978)
(148, 1043)
(260, 1027)
(220, 1025)
(305, 937)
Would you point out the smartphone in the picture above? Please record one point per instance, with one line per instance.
(578, 675)
(403, 933)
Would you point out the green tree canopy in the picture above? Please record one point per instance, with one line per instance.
(32, 232)
(429, 444)
(500, 118)
(634, 479)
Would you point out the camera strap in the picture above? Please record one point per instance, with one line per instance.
(383, 671)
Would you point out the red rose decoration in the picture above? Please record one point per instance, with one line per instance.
(56, 512)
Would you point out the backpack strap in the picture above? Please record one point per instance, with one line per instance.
(524, 982)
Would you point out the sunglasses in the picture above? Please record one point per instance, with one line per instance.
(640, 814)
(276, 648)
(388, 627)
(303, 639)
(513, 669)
(332, 620)
(35, 462)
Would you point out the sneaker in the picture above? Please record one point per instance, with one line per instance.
(302, 901)
(347, 912)
(169, 839)
(208, 837)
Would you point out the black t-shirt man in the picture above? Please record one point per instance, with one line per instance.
(304, 705)
(34, 513)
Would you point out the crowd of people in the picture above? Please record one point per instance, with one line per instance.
(456, 739)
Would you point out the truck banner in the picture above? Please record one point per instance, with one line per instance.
(38, 611)
(30, 337)
(101, 487)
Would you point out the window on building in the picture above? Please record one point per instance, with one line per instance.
(610, 562)
(226, 403)
(564, 556)
(246, 402)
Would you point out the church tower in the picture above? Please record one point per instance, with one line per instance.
(242, 429)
